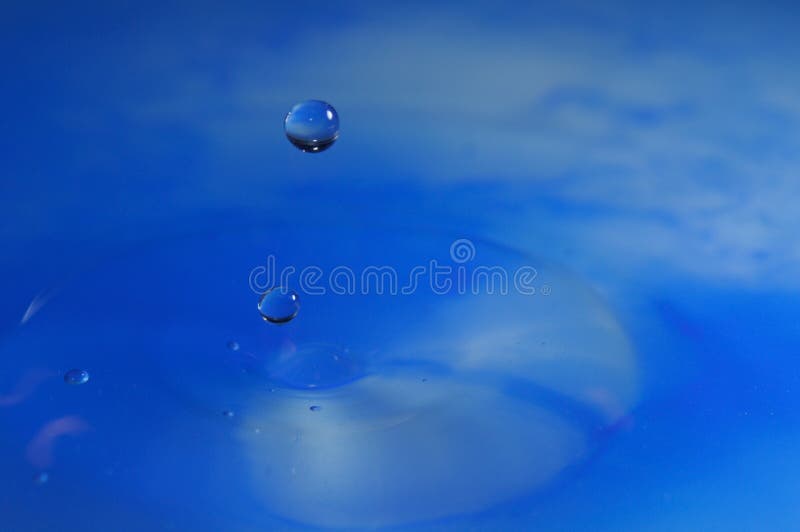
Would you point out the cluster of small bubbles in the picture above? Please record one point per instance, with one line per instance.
(315, 408)
(279, 305)
(76, 376)
(233, 346)
(312, 126)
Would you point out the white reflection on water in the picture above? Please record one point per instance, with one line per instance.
(444, 449)
(522, 389)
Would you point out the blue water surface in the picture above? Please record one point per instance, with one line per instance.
(641, 159)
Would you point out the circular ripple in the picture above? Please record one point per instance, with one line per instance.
(368, 409)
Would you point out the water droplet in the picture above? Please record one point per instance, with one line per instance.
(233, 346)
(76, 376)
(41, 478)
(312, 126)
(279, 305)
(315, 408)
(227, 413)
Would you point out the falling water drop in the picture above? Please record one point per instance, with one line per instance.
(279, 305)
(76, 376)
(312, 126)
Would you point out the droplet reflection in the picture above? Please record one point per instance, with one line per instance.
(279, 305)
(76, 376)
(312, 126)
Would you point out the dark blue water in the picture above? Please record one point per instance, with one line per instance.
(608, 193)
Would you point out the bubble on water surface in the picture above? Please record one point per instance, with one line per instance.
(76, 376)
(312, 126)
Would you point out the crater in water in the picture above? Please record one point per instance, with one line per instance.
(464, 400)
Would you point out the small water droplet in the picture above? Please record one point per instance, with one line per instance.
(312, 126)
(233, 346)
(41, 478)
(424, 380)
(76, 376)
(228, 413)
(315, 408)
(279, 305)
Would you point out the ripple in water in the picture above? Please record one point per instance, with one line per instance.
(461, 442)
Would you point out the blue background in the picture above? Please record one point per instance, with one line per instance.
(651, 149)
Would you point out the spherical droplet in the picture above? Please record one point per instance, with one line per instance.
(315, 408)
(233, 346)
(312, 126)
(76, 376)
(279, 305)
